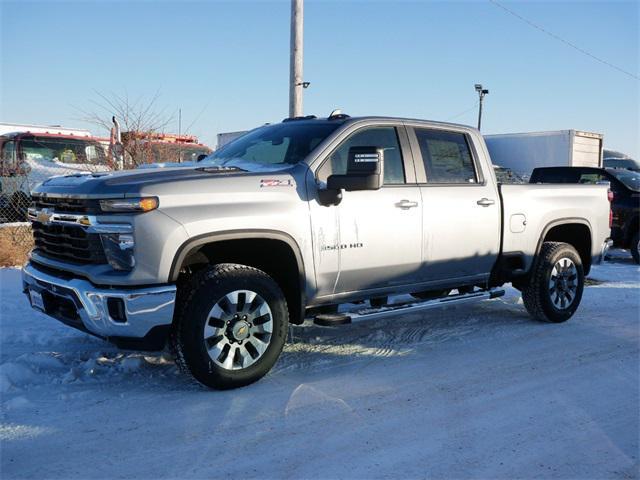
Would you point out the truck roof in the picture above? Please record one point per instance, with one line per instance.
(6, 128)
(20, 135)
(343, 119)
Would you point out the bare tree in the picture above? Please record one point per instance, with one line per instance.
(140, 119)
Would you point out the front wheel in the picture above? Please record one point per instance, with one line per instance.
(230, 326)
(555, 286)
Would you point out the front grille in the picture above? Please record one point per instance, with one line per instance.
(68, 243)
(67, 205)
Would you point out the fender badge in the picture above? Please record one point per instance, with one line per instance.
(276, 183)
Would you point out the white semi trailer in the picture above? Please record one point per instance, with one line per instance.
(522, 152)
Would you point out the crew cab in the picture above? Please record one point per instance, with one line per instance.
(217, 259)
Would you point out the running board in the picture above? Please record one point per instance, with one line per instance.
(370, 314)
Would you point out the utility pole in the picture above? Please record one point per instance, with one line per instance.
(295, 75)
(179, 134)
(481, 93)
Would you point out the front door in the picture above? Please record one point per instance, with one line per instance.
(379, 231)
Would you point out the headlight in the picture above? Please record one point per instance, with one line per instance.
(118, 248)
(144, 204)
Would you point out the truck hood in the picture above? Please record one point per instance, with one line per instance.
(130, 183)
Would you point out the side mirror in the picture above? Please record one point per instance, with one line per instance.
(365, 167)
(201, 157)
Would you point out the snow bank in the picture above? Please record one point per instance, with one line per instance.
(478, 390)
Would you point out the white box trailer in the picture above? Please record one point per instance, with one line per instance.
(226, 137)
(522, 152)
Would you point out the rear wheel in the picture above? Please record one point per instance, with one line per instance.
(555, 287)
(231, 326)
(635, 247)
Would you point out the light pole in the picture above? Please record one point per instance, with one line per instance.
(296, 84)
(481, 93)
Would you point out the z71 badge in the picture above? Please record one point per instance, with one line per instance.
(274, 182)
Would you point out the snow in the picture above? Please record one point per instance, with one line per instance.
(42, 168)
(474, 391)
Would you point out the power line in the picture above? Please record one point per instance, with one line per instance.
(462, 113)
(566, 42)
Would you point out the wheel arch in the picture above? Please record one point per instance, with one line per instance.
(577, 232)
(284, 263)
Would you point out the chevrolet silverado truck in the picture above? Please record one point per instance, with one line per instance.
(217, 259)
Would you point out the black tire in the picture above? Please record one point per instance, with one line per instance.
(206, 290)
(635, 247)
(377, 302)
(540, 298)
(431, 294)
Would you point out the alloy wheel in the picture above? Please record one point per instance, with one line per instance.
(563, 284)
(238, 329)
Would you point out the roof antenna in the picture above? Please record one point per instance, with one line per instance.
(337, 115)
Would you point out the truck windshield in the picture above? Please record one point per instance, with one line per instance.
(175, 152)
(629, 178)
(272, 146)
(63, 150)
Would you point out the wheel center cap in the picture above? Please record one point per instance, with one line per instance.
(240, 330)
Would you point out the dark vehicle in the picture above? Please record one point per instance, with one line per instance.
(625, 205)
(625, 163)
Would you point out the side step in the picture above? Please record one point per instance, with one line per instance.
(407, 307)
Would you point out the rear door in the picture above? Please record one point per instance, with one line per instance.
(461, 206)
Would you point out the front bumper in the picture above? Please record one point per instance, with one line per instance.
(143, 321)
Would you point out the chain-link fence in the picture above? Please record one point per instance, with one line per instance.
(15, 232)
(25, 161)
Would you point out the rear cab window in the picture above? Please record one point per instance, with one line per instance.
(447, 157)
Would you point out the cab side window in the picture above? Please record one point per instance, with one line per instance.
(382, 137)
(447, 157)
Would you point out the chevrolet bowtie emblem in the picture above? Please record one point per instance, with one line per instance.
(43, 216)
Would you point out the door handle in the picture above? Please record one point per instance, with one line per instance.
(485, 202)
(406, 204)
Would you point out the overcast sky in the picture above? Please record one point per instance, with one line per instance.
(225, 64)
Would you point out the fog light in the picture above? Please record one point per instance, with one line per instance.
(118, 248)
(116, 309)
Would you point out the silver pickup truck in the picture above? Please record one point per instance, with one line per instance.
(293, 219)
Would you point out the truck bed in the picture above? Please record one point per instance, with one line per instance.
(530, 209)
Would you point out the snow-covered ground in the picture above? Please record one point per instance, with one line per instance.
(475, 391)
